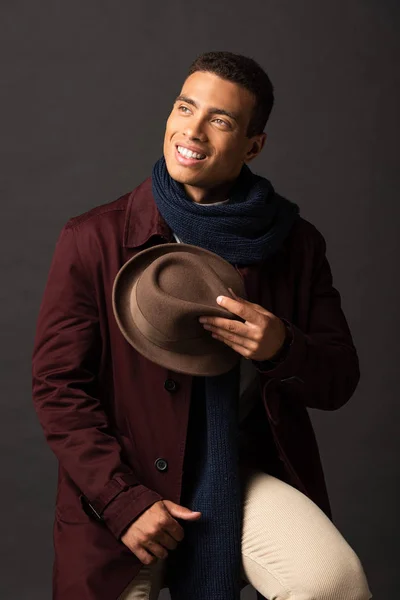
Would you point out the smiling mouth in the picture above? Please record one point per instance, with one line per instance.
(185, 153)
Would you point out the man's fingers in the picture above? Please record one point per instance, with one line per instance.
(170, 525)
(145, 557)
(156, 549)
(166, 540)
(181, 512)
(175, 530)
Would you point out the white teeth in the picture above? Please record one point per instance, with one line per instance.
(189, 153)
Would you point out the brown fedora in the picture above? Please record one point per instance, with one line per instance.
(158, 296)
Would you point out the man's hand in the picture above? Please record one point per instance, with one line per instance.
(156, 530)
(259, 338)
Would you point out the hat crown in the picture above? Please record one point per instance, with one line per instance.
(172, 292)
(158, 295)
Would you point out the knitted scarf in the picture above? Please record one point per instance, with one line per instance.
(249, 228)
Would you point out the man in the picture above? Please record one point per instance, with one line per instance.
(120, 425)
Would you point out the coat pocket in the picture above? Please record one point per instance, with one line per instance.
(69, 507)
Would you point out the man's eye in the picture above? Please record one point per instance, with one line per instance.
(184, 108)
(221, 121)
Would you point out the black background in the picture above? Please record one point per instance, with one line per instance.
(86, 89)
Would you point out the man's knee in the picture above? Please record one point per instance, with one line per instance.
(345, 580)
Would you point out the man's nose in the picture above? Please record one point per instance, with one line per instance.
(194, 130)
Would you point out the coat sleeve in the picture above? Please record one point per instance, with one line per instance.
(320, 366)
(65, 359)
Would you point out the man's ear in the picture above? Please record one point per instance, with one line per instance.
(257, 144)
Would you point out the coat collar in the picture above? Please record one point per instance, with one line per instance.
(143, 219)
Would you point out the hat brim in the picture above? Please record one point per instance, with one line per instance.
(220, 359)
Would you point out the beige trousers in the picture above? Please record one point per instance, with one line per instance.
(290, 549)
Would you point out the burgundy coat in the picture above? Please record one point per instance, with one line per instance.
(110, 415)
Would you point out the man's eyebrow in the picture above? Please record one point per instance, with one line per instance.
(212, 110)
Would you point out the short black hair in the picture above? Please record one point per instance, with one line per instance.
(246, 72)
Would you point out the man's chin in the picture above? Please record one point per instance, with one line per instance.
(184, 176)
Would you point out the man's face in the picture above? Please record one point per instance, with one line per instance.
(210, 117)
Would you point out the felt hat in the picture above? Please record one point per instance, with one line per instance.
(158, 296)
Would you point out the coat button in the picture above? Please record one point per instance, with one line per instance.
(170, 385)
(161, 464)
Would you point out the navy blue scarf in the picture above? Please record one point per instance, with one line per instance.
(249, 228)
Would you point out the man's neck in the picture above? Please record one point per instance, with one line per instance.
(208, 196)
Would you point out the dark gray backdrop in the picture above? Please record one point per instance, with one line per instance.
(87, 88)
